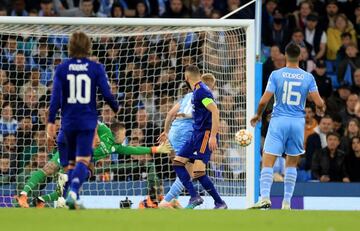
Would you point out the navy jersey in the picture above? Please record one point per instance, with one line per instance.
(74, 91)
(202, 116)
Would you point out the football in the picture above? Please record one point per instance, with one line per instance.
(243, 137)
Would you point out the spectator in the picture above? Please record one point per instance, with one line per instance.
(345, 42)
(310, 121)
(328, 163)
(298, 38)
(6, 175)
(19, 70)
(323, 82)
(299, 17)
(24, 133)
(337, 123)
(342, 24)
(8, 149)
(315, 36)
(356, 84)
(357, 22)
(141, 10)
(107, 115)
(150, 130)
(352, 160)
(38, 142)
(267, 13)
(349, 111)
(337, 101)
(215, 14)
(269, 66)
(279, 33)
(349, 64)
(306, 63)
(352, 130)
(205, 9)
(47, 8)
(44, 53)
(332, 9)
(34, 84)
(117, 11)
(148, 99)
(9, 92)
(29, 105)
(8, 123)
(19, 8)
(317, 140)
(8, 52)
(176, 10)
(3, 11)
(85, 9)
(3, 78)
(246, 13)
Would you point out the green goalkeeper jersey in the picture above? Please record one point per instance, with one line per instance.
(108, 146)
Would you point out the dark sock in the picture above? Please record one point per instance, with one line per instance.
(79, 176)
(184, 176)
(210, 188)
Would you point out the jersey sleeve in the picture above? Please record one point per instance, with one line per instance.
(103, 130)
(204, 96)
(55, 100)
(313, 86)
(130, 150)
(102, 83)
(271, 86)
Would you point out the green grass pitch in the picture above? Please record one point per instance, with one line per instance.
(172, 220)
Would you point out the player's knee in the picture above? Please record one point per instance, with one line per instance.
(199, 174)
(50, 169)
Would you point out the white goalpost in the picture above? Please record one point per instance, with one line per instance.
(145, 61)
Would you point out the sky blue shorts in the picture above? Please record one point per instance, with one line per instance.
(285, 136)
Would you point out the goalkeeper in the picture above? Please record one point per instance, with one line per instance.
(110, 140)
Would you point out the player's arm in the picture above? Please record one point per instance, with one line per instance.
(315, 96)
(215, 121)
(140, 150)
(54, 105)
(261, 107)
(105, 90)
(168, 120)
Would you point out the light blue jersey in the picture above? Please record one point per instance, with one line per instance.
(182, 128)
(286, 130)
(290, 87)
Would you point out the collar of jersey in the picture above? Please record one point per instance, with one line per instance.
(197, 85)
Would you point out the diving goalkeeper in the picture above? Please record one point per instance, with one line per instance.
(110, 140)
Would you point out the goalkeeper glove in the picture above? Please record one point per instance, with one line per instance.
(162, 148)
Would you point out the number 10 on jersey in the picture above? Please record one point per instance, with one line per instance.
(75, 88)
(290, 96)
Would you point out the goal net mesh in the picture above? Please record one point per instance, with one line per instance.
(145, 67)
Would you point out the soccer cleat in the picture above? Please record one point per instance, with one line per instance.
(165, 205)
(22, 200)
(262, 204)
(220, 205)
(194, 201)
(176, 204)
(39, 203)
(285, 206)
(72, 202)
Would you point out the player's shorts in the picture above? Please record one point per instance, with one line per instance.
(79, 143)
(179, 136)
(197, 147)
(285, 135)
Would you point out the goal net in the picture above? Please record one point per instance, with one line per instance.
(145, 62)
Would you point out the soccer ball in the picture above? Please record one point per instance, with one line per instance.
(243, 137)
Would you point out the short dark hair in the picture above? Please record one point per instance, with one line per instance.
(333, 134)
(192, 69)
(116, 126)
(292, 51)
(345, 34)
(326, 117)
(311, 106)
